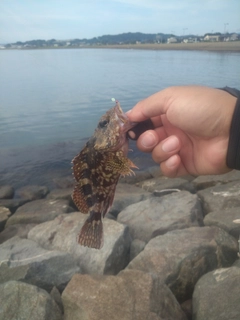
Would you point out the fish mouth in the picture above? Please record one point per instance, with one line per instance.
(125, 125)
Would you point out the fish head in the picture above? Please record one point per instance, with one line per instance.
(111, 132)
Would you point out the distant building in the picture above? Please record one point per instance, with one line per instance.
(171, 40)
(212, 38)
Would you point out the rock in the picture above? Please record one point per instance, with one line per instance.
(180, 257)
(203, 182)
(25, 260)
(125, 195)
(138, 176)
(6, 192)
(39, 211)
(224, 219)
(61, 234)
(32, 192)
(61, 194)
(55, 294)
(163, 183)
(221, 197)
(64, 182)
(20, 230)
(216, 295)
(12, 204)
(137, 246)
(4, 215)
(24, 301)
(130, 295)
(155, 216)
(187, 308)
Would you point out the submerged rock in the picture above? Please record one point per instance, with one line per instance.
(6, 192)
(32, 192)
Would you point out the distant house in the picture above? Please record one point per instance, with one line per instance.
(209, 37)
(171, 40)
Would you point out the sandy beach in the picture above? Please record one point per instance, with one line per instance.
(233, 46)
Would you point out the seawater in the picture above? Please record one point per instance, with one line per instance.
(51, 100)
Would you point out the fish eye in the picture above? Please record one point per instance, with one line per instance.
(103, 123)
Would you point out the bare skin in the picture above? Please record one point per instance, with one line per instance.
(190, 129)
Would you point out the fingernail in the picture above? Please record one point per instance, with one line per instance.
(149, 140)
(171, 144)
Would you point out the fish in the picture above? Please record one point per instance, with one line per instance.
(97, 169)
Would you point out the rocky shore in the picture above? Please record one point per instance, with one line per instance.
(170, 252)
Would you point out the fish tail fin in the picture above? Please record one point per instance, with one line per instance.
(91, 234)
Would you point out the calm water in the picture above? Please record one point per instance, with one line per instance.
(51, 100)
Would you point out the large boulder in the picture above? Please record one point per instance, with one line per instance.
(32, 192)
(220, 197)
(24, 301)
(125, 195)
(224, 219)
(216, 295)
(39, 211)
(180, 257)
(25, 260)
(61, 234)
(155, 216)
(130, 295)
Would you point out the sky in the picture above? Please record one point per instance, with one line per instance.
(22, 20)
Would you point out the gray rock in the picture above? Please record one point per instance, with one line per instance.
(138, 176)
(163, 183)
(130, 295)
(12, 204)
(4, 215)
(61, 194)
(25, 260)
(137, 246)
(39, 211)
(55, 294)
(125, 195)
(64, 182)
(216, 295)
(6, 192)
(61, 234)
(32, 192)
(20, 230)
(221, 197)
(180, 257)
(155, 216)
(224, 219)
(24, 301)
(203, 182)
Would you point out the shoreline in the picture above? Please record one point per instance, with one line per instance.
(198, 46)
(231, 46)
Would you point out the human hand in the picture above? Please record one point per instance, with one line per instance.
(190, 129)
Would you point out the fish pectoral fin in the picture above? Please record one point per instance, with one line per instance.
(118, 162)
(91, 234)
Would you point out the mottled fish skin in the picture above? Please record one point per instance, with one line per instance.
(97, 169)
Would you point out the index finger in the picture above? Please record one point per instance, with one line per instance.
(150, 107)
